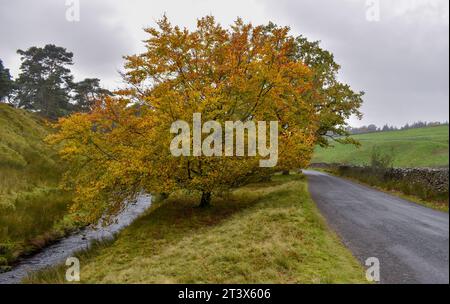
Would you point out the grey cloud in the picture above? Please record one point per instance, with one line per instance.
(97, 42)
(400, 62)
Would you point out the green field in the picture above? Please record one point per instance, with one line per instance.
(423, 147)
(30, 202)
(263, 233)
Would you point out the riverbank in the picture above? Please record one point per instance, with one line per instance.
(76, 242)
(33, 208)
(262, 233)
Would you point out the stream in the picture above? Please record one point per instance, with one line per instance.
(58, 252)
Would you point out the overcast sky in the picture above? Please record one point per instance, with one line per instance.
(399, 57)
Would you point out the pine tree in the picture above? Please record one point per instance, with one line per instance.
(44, 82)
(6, 82)
(87, 93)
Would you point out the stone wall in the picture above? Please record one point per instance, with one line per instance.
(428, 181)
(434, 179)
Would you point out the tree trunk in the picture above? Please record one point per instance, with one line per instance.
(285, 172)
(206, 200)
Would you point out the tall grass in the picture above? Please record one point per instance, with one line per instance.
(31, 204)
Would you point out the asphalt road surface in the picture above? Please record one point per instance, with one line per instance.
(411, 242)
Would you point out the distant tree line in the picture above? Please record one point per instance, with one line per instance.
(45, 84)
(386, 128)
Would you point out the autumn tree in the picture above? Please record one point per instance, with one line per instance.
(334, 101)
(244, 73)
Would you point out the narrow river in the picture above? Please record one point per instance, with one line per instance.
(58, 252)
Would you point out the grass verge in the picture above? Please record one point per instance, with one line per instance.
(262, 233)
(436, 205)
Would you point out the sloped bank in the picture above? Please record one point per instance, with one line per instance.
(32, 205)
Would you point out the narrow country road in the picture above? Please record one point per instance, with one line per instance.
(410, 241)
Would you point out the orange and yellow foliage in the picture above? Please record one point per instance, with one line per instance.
(242, 73)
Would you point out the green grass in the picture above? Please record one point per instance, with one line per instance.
(30, 202)
(423, 147)
(262, 233)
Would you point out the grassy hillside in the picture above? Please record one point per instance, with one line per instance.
(424, 147)
(30, 203)
(267, 232)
